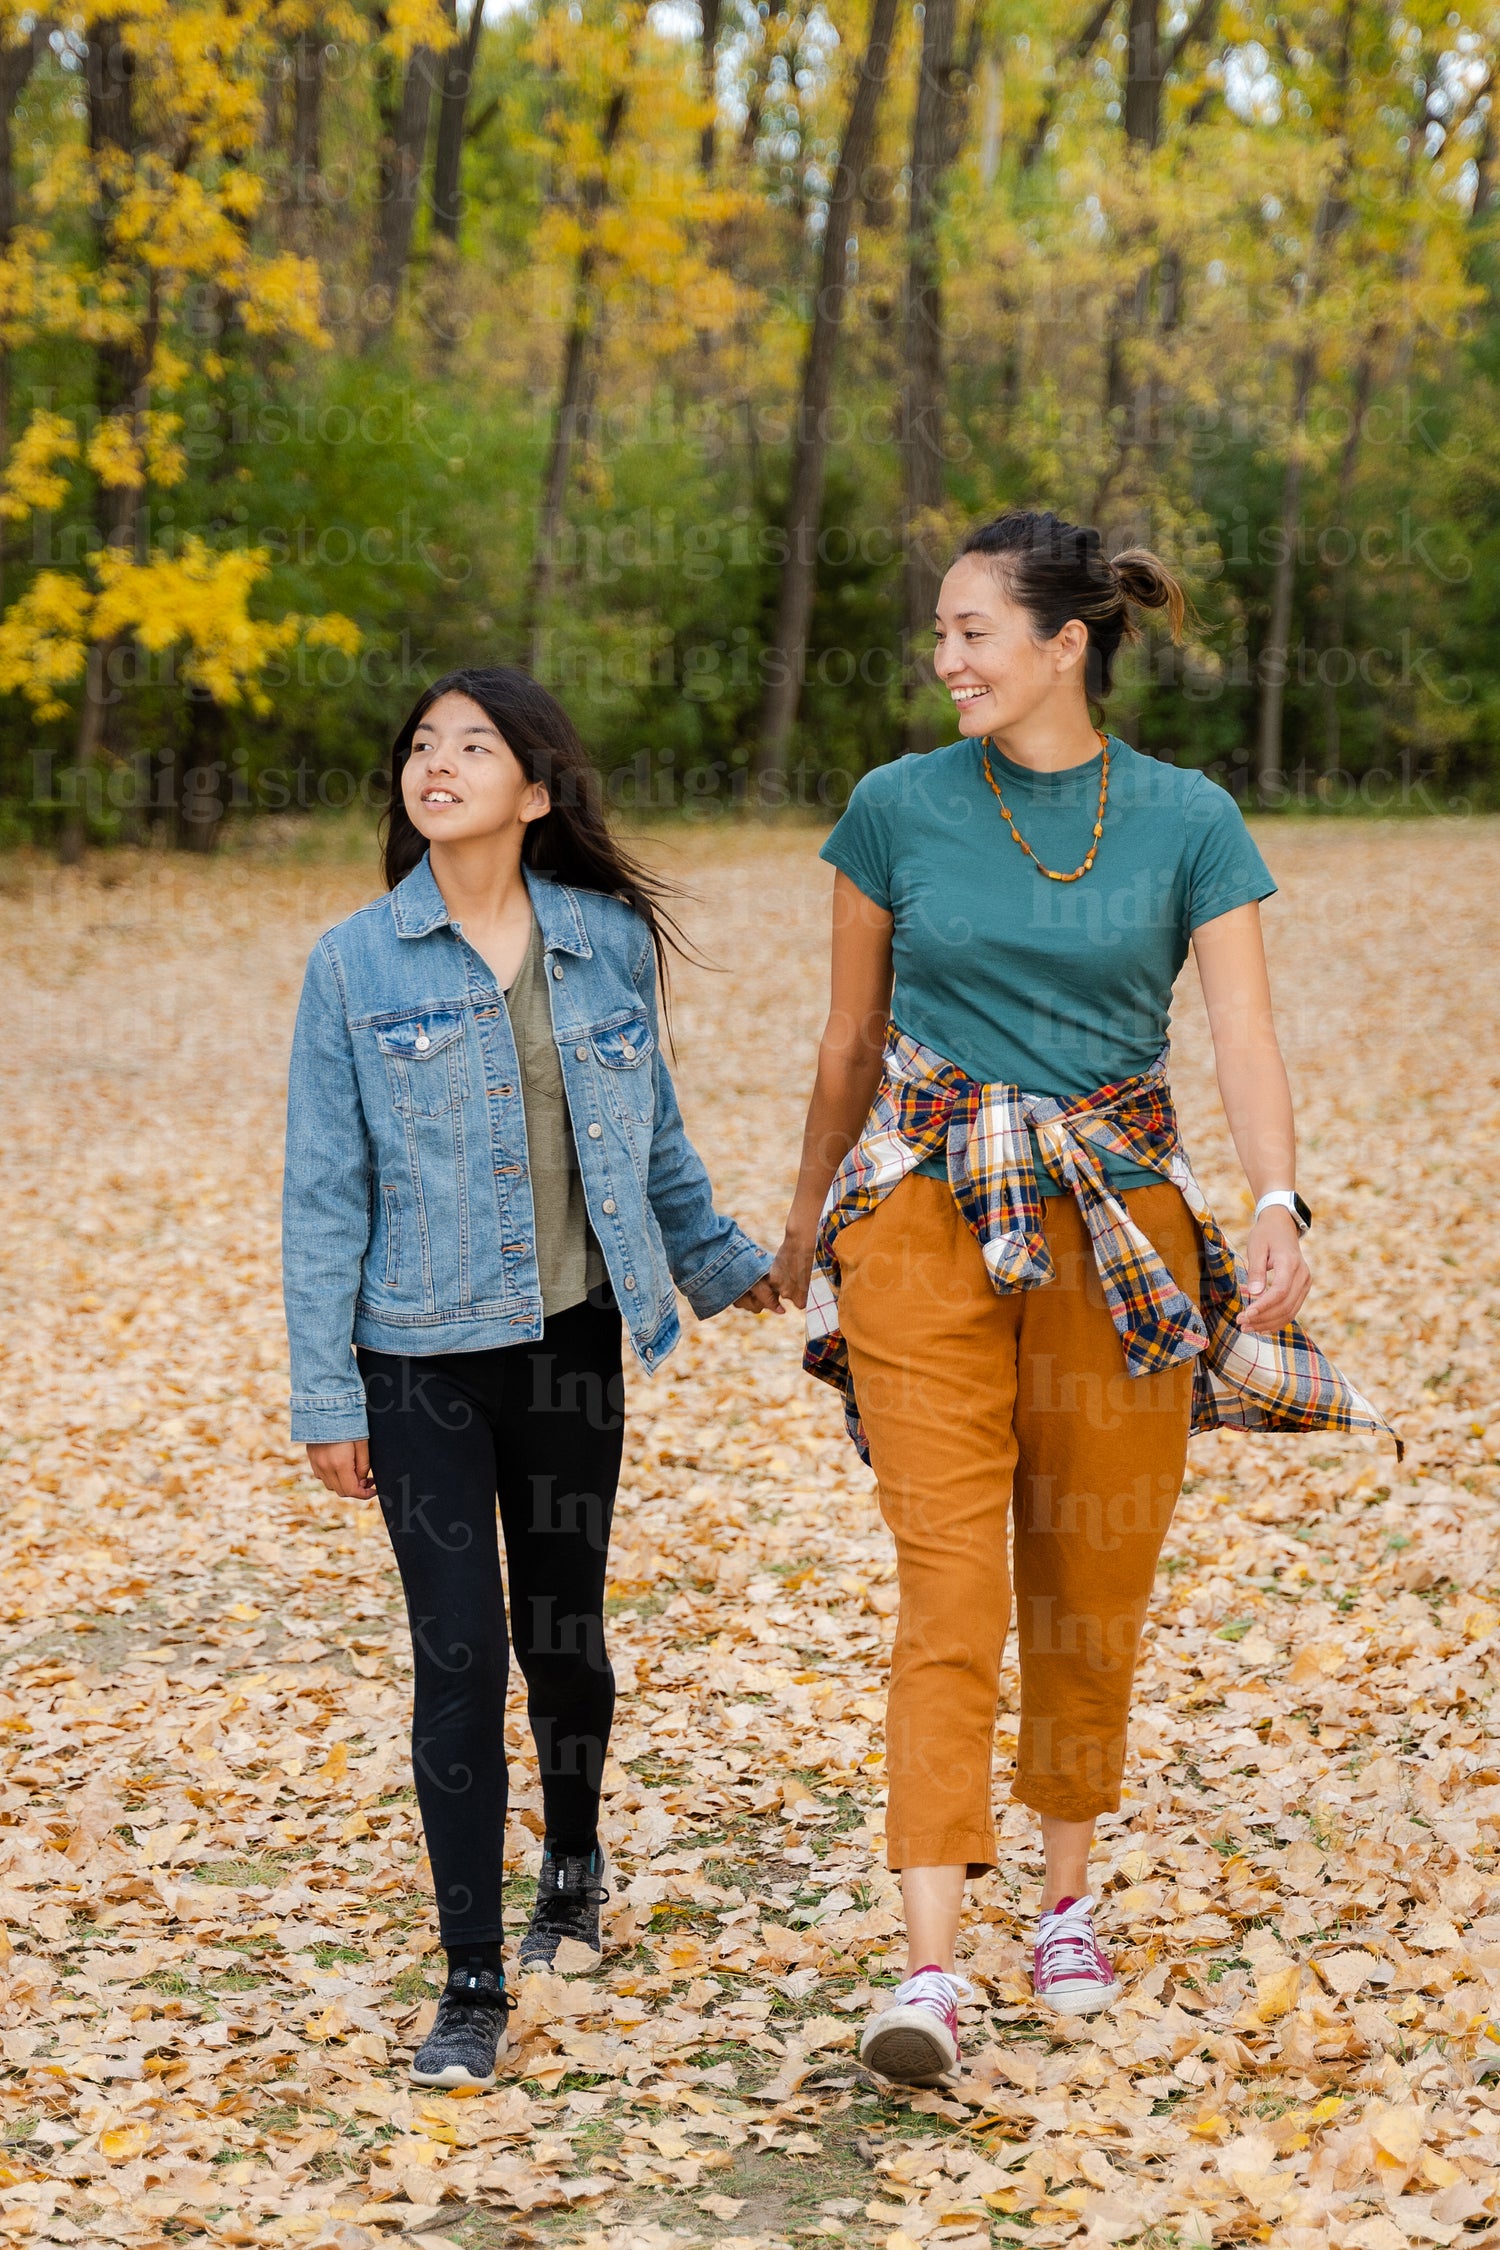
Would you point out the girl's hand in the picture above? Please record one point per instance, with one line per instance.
(1279, 1276)
(762, 1298)
(344, 1468)
(792, 1271)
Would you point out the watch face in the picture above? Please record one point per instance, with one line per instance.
(1301, 1212)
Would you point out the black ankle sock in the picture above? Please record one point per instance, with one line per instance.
(473, 1957)
(571, 1847)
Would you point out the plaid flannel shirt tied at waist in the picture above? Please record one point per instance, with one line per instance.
(927, 1107)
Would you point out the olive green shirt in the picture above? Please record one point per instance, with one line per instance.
(568, 1258)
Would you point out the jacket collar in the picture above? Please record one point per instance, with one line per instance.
(417, 908)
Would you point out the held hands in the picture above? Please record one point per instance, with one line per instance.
(792, 1271)
(344, 1468)
(762, 1298)
(1279, 1275)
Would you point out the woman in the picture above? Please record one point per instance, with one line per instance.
(1004, 1259)
(486, 1169)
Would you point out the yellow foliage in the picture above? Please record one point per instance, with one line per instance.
(31, 479)
(200, 598)
(113, 454)
(44, 641)
(417, 23)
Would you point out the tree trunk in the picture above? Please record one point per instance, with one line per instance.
(17, 63)
(788, 650)
(936, 135)
(573, 391)
(1336, 589)
(1143, 75)
(1332, 210)
(1277, 645)
(453, 104)
(405, 101)
(307, 129)
(121, 370)
(198, 794)
(708, 71)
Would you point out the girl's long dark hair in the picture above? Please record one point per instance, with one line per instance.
(572, 842)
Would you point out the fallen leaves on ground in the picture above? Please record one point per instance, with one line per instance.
(220, 1950)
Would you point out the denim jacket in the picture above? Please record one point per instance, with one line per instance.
(407, 1220)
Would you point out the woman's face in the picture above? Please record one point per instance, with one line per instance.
(463, 780)
(988, 656)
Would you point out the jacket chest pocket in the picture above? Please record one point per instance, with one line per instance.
(623, 1052)
(425, 1064)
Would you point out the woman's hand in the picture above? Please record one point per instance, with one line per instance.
(792, 1271)
(1279, 1276)
(762, 1298)
(344, 1468)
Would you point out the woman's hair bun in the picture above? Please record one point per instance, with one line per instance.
(1146, 583)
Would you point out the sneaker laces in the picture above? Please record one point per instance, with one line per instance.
(560, 1901)
(475, 1988)
(1065, 1942)
(940, 1989)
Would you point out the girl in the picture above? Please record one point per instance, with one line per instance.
(486, 1171)
(1016, 1281)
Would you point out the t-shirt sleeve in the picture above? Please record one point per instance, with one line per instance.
(1224, 868)
(860, 844)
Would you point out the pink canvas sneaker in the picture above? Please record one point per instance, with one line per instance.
(913, 2039)
(1070, 1972)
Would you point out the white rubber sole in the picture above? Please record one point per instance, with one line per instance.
(908, 2046)
(455, 2074)
(1081, 1999)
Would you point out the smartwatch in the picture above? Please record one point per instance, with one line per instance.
(1287, 1199)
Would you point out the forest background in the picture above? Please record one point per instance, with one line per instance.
(668, 349)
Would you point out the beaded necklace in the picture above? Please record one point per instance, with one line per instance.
(1053, 874)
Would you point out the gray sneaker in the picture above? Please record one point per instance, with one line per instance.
(569, 1894)
(468, 2037)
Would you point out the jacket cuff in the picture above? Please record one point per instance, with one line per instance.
(329, 1421)
(737, 1268)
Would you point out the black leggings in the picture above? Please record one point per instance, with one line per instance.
(542, 1426)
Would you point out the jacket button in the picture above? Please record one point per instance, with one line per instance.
(630, 1281)
(558, 974)
(581, 1053)
(650, 1354)
(608, 1206)
(596, 1132)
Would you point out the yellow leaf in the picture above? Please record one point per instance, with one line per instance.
(1276, 1991)
(1209, 2128)
(336, 1764)
(120, 2142)
(1397, 2129)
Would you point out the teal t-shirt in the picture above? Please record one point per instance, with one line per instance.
(1057, 988)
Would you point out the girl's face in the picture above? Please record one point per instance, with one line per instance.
(988, 656)
(463, 780)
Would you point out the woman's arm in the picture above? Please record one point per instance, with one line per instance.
(848, 1072)
(1257, 1101)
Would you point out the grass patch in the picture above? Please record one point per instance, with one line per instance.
(412, 1985)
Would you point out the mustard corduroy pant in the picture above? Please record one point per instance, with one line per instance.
(970, 1398)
